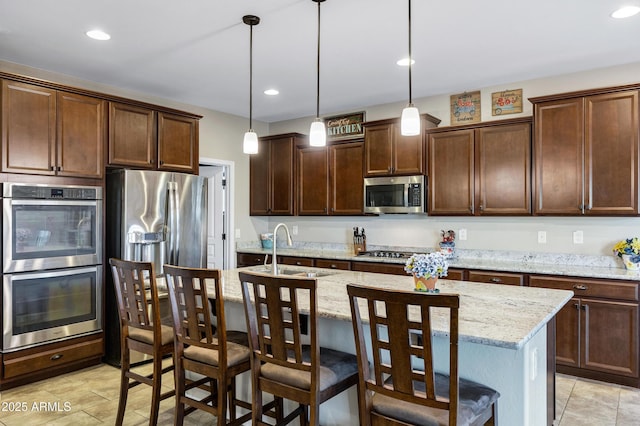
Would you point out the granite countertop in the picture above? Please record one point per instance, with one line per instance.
(523, 262)
(495, 315)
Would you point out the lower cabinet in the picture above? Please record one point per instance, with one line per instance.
(495, 277)
(381, 268)
(597, 331)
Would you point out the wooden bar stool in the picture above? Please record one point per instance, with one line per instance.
(280, 364)
(401, 387)
(141, 331)
(193, 292)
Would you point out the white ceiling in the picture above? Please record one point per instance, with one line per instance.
(197, 51)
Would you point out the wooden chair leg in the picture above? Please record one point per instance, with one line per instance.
(124, 390)
(180, 390)
(156, 386)
(231, 397)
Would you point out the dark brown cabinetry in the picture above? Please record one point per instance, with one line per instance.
(143, 138)
(597, 331)
(481, 169)
(272, 175)
(389, 153)
(330, 180)
(132, 136)
(381, 268)
(51, 132)
(586, 153)
(490, 277)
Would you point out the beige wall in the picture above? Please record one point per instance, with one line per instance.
(221, 136)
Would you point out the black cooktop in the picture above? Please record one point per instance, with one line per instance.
(386, 253)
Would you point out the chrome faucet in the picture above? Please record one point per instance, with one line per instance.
(274, 263)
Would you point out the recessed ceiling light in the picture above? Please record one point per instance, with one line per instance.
(404, 62)
(98, 35)
(625, 12)
(271, 92)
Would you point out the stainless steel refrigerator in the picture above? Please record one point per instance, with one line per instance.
(160, 217)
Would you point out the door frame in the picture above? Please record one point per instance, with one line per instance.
(229, 242)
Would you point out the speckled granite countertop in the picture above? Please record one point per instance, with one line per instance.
(495, 315)
(524, 262)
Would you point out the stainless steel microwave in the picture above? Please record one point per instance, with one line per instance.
(395, 194)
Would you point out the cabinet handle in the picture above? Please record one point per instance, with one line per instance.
(495, 280)
(580, 287)
(481, 207)
(56, 357)
(577, 306)
(52, 168)
(60, 169)
(161, 162)
(333, 266)
(298, 264)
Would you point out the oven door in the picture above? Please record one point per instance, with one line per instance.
(48, 234)
(40, 307)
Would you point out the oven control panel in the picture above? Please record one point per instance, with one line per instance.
(46, 192)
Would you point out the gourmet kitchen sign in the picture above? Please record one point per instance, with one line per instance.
(348, 126)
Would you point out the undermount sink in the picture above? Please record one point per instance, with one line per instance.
(295, 272)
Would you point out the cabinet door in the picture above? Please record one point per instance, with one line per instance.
(313, 181)
(132, 136)
(451, 173)
(177, 143)
(506, 278)
(378, 142)
(503, 183)
(611, 154)
(282, 176)
(558, 152)
(407, 153)
(347, 189)
(81, 134)
(610, 337)
(260, 179)
(568, 334)
(28, 128)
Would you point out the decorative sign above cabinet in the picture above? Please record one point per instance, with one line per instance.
(346, 126)
(465, 108)
(506, 102)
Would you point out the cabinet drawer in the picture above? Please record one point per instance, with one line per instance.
(293, 260)
(51, 358)
(605, 289)
(455, 274)
(249, 259)
(333, 264)
(496, 277)
(381, 268)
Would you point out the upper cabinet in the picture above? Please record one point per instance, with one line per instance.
(586, 153)
(272, 176)
(51, 132)
(144, 138)
(330, 179)
(481, 169)
(388, 153)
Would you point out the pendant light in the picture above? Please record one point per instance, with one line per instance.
(250, 144)
(318, 133)
(410, 121)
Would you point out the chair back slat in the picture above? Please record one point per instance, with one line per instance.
(189, 291)
(274, 320)
(136, 293)
(401, 344)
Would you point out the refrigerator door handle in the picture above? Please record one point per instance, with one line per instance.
(173, 218)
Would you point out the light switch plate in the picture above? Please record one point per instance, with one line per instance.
(578, 237)
(294, 229)
(542, 237)
(462, 234)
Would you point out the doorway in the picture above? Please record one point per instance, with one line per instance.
(219, 212)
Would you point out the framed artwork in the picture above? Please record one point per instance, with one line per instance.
(465, 108)
(506, 102)
(346, 126)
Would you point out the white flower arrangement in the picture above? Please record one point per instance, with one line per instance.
(427, 265)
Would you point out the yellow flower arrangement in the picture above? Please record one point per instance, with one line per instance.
(630, 246)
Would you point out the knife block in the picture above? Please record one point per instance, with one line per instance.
(359, 247)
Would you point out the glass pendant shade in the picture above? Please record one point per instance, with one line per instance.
(317, 133)
(250, 144)
(410, 121)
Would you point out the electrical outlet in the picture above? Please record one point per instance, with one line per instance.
(462, 234)
(294, 229)
(542, 237)
(578, 237)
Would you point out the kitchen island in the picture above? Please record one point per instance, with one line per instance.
(504, 334)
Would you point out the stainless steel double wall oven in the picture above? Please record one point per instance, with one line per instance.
(52, 263)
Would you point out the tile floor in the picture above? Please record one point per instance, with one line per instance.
(90, 397)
